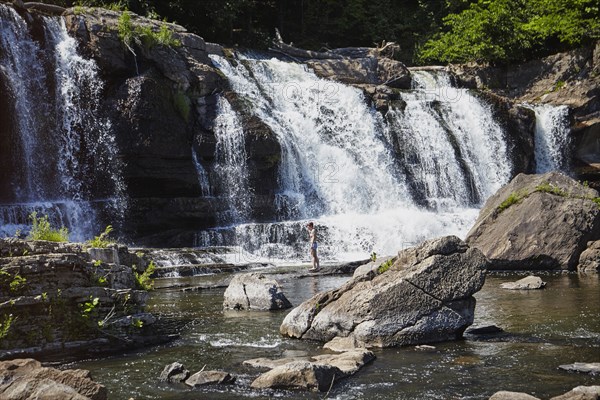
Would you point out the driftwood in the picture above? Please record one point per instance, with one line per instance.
(45, 8)
(295, 53)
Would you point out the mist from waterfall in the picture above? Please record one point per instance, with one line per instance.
(340, 166)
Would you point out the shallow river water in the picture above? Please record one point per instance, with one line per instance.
(557, 325)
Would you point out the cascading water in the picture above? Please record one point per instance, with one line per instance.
(64, 146)
(231, 169)
(339, 165)
(551, 138)
(452, 149)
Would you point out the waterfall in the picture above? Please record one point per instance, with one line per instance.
(551, 138)
(66, 148)
(452, 149)
(203, 180)
(230, 166)
(24, 76)
(339, 165)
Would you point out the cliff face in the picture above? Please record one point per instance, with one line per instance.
(162, 101)
(571, 78)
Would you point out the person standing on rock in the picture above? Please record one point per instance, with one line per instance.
(312, 234)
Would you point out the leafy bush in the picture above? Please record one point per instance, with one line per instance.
(513, 198)
(385, 266)
(41, 230)
(102, 241)
(547, 187)
(143, 280)
(131, 34)
(11, 283)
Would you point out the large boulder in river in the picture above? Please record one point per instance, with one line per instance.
(537, 222)
(254, 291)
(589, 260)
(27, 379)
(425, 296)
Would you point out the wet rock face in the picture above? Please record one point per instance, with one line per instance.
(57, 301)
(162, 102)
(426, 296)
(27, 379)
(537, 222)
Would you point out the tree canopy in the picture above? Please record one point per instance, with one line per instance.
(428, 31)
(513, 30)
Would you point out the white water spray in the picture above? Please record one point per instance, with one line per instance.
(551, 138)
(338, 167)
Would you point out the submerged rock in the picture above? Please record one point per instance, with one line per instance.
(317, 373)
(254, 291)
(585, 368)
(485, 330)
(505, 395)
(27, 379)
(203, 378)
(528, 283)
(425, 296)
(174, 372)
(537, 222)
(341, 344)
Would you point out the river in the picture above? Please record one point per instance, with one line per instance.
(544, 329)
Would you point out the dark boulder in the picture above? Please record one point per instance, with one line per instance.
(537, 222)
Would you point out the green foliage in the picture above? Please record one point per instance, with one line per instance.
(559, 85)
(385, 266)
(512, 198)
(143, 280)
(513, 30)
(89, 307)
(101, 241)
(12, 283)
(5, 324)
(42, 230)
(373, 256)
(137, 323)
(596, 200)
(144, 35)
(547, 187)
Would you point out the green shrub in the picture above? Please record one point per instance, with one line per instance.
(11, 283)
(131, 34)
(513, 198)
(547, 187)
(101, 241)
(385, 266)
(143, 280)
(41, 230)
(596, 200)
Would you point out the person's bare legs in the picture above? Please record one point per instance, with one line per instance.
(313, 253)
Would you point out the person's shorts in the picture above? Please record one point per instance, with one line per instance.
(314, 246)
